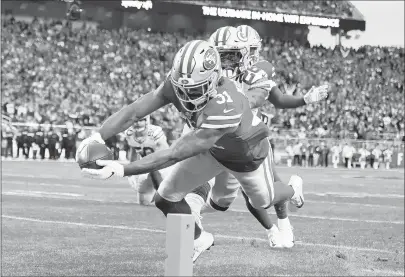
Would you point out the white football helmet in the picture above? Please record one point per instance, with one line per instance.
(232, 49)
(252, 37)
(195, 74)
(142, 124)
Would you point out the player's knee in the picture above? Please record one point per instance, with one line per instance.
(222, 206)
(166, 206)
(162, 204)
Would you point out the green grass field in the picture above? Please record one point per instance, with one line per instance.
(56, 223)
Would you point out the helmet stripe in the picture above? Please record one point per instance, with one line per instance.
(224, 35)
(187, 58)
(217, 36)
(183, 55)
(190, 60)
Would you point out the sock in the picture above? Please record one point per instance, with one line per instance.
(260, 214)
(180, 207)
(195, 202)
(283, 223)
(281, 209)
(202, 191)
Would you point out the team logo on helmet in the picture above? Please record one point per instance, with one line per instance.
(210, 59)
(242, 36)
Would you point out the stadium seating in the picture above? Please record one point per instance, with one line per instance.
(52, 73)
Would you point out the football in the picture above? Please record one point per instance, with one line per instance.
(92, 152)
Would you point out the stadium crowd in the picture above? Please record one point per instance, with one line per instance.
(53, 73)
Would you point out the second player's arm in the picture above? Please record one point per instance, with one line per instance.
(124, 118)
(189, 145)
(258, 96)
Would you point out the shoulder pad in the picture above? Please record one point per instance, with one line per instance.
(267, 67)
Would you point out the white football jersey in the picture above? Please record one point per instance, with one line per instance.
(148, 143)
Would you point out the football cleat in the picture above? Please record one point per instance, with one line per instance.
(204, 242)
(297, 200)
(274, 236)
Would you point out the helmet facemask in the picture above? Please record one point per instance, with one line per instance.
(194, 97)
(254, 54)
(230, 62)
(140, 127)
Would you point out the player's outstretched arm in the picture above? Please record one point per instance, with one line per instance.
(189, 145)
(128, 115)
(284, 101)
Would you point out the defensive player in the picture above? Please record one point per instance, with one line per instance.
(143, 139)
(239, 49)
(227, 138)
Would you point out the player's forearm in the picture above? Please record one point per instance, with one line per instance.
(187, 146)
(155, 161)
(118, 122)
(283, 101)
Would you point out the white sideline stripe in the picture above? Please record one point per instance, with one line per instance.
(322, 194)
(400, 169)
(36, 192)
(354, 204)
(384, 272)
(123, 227)
(41, 184)
(330, 218)
(60, 196)
(354, 194)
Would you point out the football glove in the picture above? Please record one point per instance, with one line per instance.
(96, 137)
(110, 168)
(316, 94)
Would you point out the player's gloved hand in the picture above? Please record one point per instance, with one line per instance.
(110, 168)
(316, 94)
(96, 137)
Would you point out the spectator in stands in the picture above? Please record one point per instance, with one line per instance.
(363, 156)
(377, 156)
(310, 151)
(304, 153)
(290, 154)
(335, 155)
(388, 156)
(347, 154)
(297, 153)
(53, 140)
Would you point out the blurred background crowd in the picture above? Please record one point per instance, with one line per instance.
(56, 74)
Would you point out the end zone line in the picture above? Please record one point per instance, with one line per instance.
(227, 237)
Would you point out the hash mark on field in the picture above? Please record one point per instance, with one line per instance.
(123, 227)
